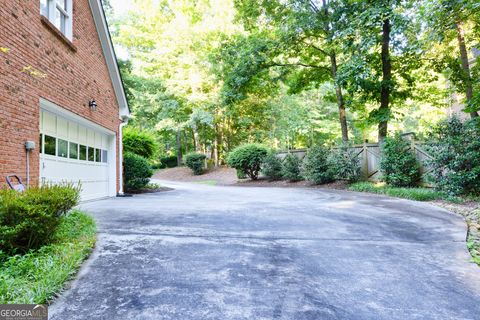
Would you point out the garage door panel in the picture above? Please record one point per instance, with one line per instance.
(93, 177)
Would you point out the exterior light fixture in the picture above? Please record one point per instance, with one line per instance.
(93, 105)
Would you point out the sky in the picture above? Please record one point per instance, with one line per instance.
(121, 7)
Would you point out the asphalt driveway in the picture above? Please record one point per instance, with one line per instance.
(203, 252)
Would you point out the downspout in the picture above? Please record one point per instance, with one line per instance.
(120, 153)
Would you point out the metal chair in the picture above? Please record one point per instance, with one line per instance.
(15, 183)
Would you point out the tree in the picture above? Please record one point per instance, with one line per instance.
(381, 40)
(288, 42)
(457, 21)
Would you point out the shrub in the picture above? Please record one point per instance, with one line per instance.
(168, 162)
(39, 275)
(196, 162)
(291, 168)
(241, 174)
(398, 164)
(316, 166)
(248, 158)
(139, 142)
(344, 164)
(455, 150)
(137, 171)
(28, 220)
(272, 167)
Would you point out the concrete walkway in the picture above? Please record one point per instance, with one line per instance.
(204, 252)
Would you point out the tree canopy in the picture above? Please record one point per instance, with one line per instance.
(209, 75)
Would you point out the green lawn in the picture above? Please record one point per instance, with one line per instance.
(207, 182)
(38, 276)
(419, 194)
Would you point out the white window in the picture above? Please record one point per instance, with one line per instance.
(59, 12)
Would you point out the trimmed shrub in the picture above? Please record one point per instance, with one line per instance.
(196, 162)
(248, 158)
(316, 166)
(28, 220)
(455, 150)
(398, 164)
(272, 167)
(241, 174)
(344, 164)
(137, 171)
(139, 142)
(291, 168)
(168, 162)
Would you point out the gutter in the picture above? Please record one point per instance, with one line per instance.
(124, 122)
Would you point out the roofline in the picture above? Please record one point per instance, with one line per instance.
(110, 56)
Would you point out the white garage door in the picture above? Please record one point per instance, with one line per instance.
(75, 152)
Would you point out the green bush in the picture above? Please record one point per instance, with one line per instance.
(168, 162)
(137, 171)
(291, 168)
(240, 174)
(455, 150)
(398, 164)
(139, 142)
(344, 164)
(272, 167)
(39, 275)
(316, 166)
(196, 162)
(248, 158)
(28, 220)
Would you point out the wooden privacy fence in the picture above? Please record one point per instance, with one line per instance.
(369, 155)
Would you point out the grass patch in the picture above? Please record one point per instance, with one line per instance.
(474, 249)
(207, 182)
(36, 277)
(419, 194)
(473, 241)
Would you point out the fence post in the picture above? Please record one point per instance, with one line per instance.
(365, 160)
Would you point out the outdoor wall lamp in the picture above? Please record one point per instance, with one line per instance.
(93, 105)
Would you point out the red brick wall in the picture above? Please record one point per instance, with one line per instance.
(67, 77)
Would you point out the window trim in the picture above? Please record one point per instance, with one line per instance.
(52, 6)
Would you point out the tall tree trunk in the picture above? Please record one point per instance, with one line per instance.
(465, 64)
(338, 89)
(215, 147)
(340, 102)
(179, 147)
(386, 82)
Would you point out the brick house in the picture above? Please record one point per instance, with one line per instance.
(60, 87)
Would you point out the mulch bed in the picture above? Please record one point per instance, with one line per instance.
(263, 182)
(149, 190)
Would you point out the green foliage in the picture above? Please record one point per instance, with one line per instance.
(137, 171)
(272, 167)
(38, 276)
(140, 143)
(240, 174)
(291, 169)
(418, 194)
(168, 162)
(196, 162)
(28, 220)
(317, 169)
(455, 149)
(248, 159)
(344, 164)
(398, 164)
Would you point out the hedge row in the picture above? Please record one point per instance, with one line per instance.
(454, 147)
